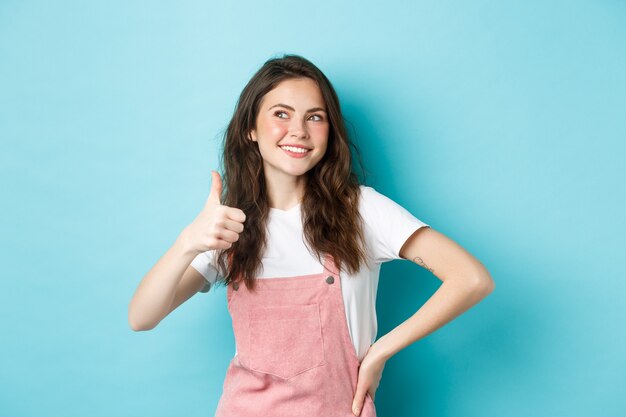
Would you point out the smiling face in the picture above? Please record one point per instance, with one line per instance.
(291, 129)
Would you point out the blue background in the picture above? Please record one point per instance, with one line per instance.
(501, 124)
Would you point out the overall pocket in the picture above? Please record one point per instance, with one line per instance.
(285, 340)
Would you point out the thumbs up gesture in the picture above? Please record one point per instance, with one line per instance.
(217, 226)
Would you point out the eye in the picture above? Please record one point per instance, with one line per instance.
(320, 118)
(279, 112)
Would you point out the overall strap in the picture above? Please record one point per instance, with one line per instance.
(329, 265)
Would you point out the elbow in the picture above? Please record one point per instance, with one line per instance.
(138, 325)
(484, 284)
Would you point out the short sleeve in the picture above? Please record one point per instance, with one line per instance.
(205, 264)
(388, 224)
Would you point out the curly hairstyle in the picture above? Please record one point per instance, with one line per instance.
(330, 214)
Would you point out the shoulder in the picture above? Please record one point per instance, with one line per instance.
(376, 204)
(374, 208)
(367, 193)
(389, 223)
(372, 201)
(370, 193)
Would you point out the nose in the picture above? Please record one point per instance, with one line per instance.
(297, 128)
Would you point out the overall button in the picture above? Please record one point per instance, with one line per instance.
(235, 286)
(330, 279)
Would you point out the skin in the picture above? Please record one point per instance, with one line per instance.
(277, 125)
(172, 281)
(465, 281)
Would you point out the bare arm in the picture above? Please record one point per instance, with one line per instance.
(465, 282)
(169, 283)
(172, 280)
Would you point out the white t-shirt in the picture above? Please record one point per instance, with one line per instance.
(387, 226)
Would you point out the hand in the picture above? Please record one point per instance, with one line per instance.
(217, 226)
(370, 373)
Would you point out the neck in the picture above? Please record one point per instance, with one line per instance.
(285, 191)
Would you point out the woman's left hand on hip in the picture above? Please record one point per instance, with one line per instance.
(370, 373)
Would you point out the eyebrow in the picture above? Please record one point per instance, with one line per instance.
(292, 109)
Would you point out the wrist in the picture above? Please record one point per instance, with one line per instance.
(381, 349)
(183, 244)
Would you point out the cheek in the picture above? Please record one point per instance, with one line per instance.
(320, 133)
(276, 129)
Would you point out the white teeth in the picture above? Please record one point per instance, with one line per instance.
(294, 149)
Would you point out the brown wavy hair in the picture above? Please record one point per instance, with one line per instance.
(330, 207)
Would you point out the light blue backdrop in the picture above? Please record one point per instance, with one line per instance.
(501, 124)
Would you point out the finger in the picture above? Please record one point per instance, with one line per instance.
(233, 225)
(216, 189)
(221, 244)
(357, 403)
(227, 235)
(235, 214)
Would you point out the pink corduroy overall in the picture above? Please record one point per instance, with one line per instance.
(294, 353)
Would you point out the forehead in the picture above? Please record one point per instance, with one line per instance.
(298, 92)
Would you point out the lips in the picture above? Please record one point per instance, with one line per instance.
(290, 150)
(295, 146)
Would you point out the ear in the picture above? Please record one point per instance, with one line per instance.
(252, 135)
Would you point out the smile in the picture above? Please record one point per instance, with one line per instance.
(295, 151)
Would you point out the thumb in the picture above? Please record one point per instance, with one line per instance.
(357, 403)
(216, 188)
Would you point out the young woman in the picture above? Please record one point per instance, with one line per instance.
(298, 243)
